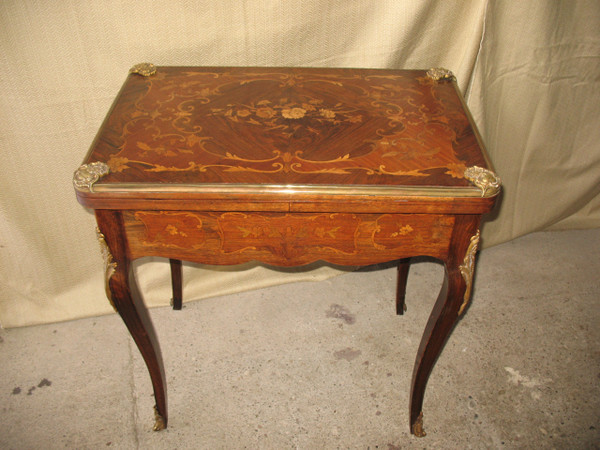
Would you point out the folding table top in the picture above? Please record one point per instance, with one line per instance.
(178, 130)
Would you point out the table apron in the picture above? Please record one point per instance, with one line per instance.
(286, 239)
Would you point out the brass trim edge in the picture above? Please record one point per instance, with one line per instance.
(432, 191)
(110, 266)
(467, 268)
(159, 421)
(487, 181)
(87, 174)
(418, 430)
(144, 69)
(440, 74)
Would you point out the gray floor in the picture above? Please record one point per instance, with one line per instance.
(328, 364)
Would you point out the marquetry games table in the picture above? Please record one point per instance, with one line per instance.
(288, 166)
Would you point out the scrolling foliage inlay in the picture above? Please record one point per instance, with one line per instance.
(282, 126)
(285, 239)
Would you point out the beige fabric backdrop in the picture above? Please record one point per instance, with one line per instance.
(530, 70)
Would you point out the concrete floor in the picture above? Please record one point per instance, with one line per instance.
(328, 364)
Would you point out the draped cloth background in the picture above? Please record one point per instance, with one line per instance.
(530, 71)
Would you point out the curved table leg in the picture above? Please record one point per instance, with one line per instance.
(124, 295)
(450, 304)
(176, 284)
(403, 266)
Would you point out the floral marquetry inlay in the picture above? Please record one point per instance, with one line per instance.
(272, 115)
(172, 228)
(287, 234)
(288, 126)
(285, 239)
(287, 167)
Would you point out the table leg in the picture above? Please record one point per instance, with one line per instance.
(450, 304)
(176, 283)
(124, 295)
(403, 266)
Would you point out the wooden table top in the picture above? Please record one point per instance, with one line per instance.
(194, 130)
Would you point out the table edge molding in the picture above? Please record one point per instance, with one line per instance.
(227, 189)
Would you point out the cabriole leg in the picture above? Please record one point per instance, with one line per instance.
(176, 283)
(123, 293)
(403, 266)
(450, 304)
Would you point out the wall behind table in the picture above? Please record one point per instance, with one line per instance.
(535, 95)
(62, 64)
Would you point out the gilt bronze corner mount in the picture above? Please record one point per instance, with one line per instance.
(486, 180)
(87, 174)
(144, 69)
(440, 74)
